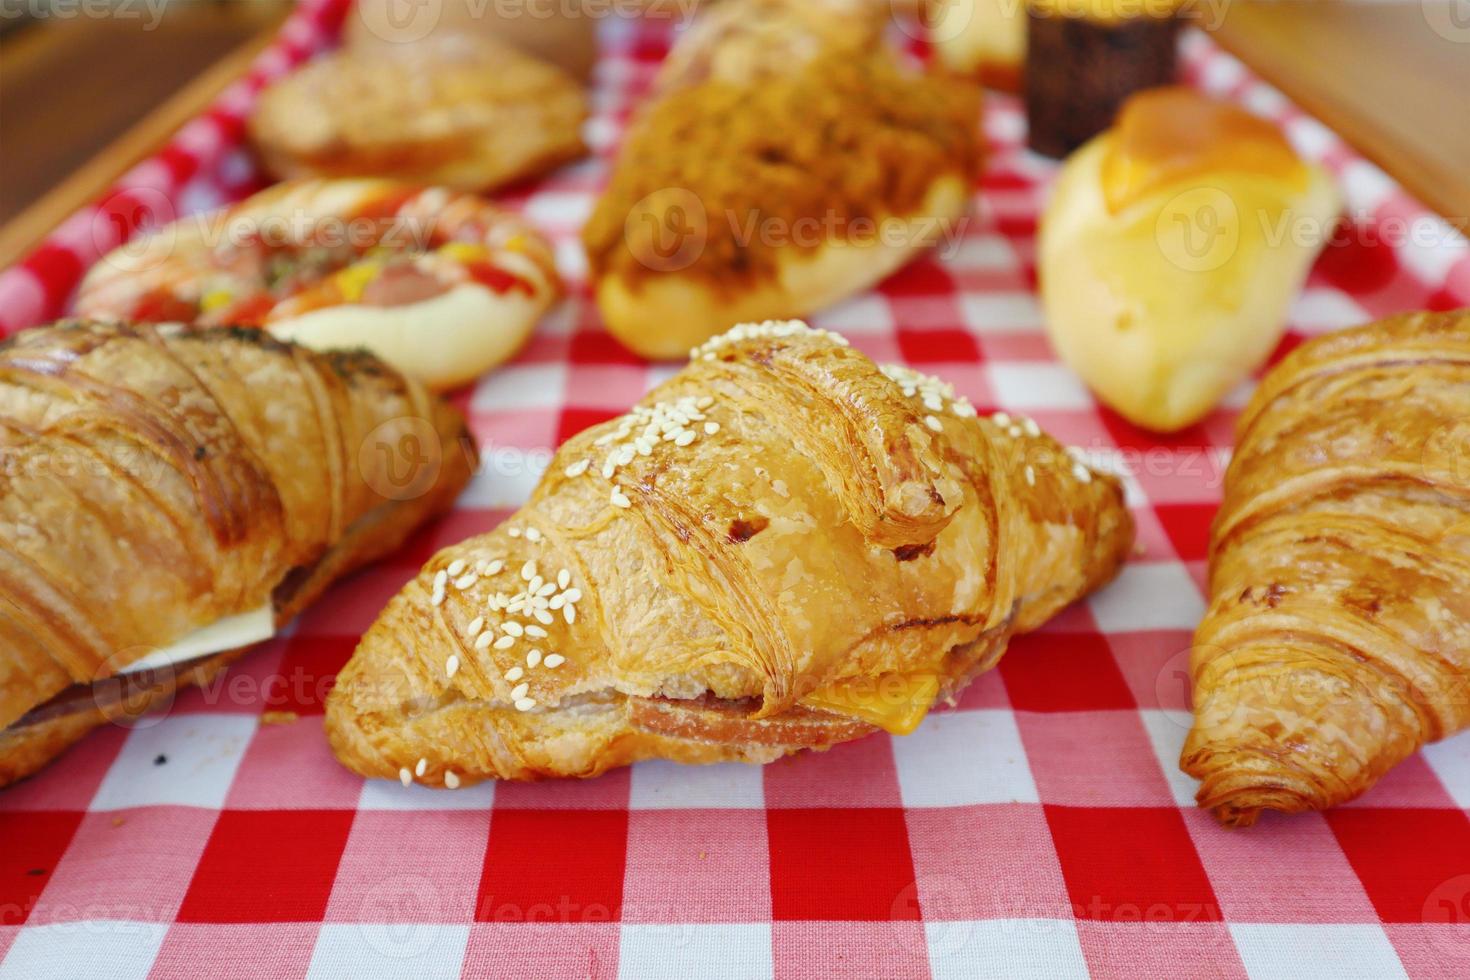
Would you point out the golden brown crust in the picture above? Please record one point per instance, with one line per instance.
(1338, 638)
(158, 479)
(453, 110)
(843, 142)
(803, 521)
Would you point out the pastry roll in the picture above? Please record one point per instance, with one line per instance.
(1171, 250)
(782, 547)
(1337, 640)
(455, 110)
(788, 161)
(158, 480)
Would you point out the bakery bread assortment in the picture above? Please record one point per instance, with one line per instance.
(159, 479)
(461, 111)
(782, 547)
(770, 180)
(443, 286)
(1085, 57)
(1171, 250)
(1337, 640)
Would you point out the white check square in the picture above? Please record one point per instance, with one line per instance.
(180, 760)
(961, 758)
(1316, 952)
(1149, 596)
(677, 951)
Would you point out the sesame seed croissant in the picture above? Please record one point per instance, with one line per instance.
(155, 480)
(782, 547)
(1337, 640)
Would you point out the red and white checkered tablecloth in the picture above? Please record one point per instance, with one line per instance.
(1042, 828)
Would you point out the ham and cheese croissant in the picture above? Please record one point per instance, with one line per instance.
(782, 547)
(157, 480)
(1337, 641)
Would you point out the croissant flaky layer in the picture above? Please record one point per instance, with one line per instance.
(1337, 640)
(781, 547)
(157, 479)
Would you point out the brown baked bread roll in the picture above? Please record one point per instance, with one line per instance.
(1337, 641)
(454, 110)
(782, 547)
(158, 480)
(769, 180)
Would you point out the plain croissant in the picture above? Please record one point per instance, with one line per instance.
(1337, 640)
(159, 479)
(782, 547)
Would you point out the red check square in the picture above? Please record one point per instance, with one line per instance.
(1188, 527)
(307, 672)
(1064, 672)
(947, 346)
(1414, 864)
(574, 420)
(554, 866)
(1131, 864)
(34, 843)
(841, 864)
(268, 866)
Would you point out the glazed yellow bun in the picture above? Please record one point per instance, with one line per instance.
(1171, 250)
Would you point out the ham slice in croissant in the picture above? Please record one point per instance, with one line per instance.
(1337, 640)
(157, 480)
(782, 547)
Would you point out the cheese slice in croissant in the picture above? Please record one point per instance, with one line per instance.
(1171, 250)
(158, 480)
(781, 547)
(1337, 640)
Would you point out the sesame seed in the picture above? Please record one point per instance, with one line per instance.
(1001, 419)
(441, 579)
(620, 499)
(525, 704)
(1082, 473)
(451, 666)
(421, 768)
(405, 777)
(704, 402)
(578, 468)
(542, 616)
(933, 423)
(535, 585)
(533, 534)
(484, 640)
(1014, 431)
(533, 658)
(569, 613)
(476, 625)
(495, 567)
(514, 674)
(455, 568)
(437, 598)
(546, 590)
(535, 631)
(572, 596)
(512, 628)
(1030, 476)
(554, 660)
(514, 532)
(504, 643)
(451, 781)
(520, 691)
(465, 581)
(563, 579)
(1032, 429)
